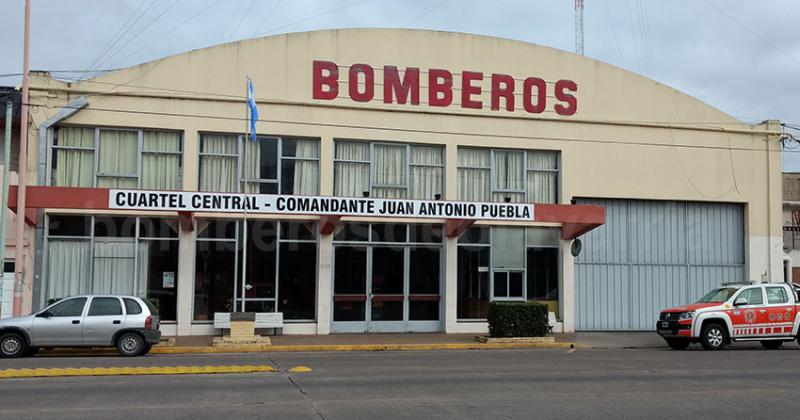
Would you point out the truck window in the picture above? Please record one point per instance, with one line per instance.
(718, 295)
(753, 296)
(776, 295)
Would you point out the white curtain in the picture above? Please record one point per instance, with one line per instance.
(69, 269)
(306, 172)
(144, 268)
(117, 155)
(473, 174)
(251, 164)
(218, 173)
(426, 172)
(507, 247)
(390, 169)
(114, 263)
(351, 178)
(542, 177)
(508, 175)
(74, 168)
(161, 171)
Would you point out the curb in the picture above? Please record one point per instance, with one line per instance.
(130, 371)
(321, 348)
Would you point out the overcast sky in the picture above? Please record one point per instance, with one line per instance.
(741, 56)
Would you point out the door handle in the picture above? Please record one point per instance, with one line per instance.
(75, 321)
(116, 322)
(763, 311)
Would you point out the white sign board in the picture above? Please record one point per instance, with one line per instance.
(314, 205)
(168, 280)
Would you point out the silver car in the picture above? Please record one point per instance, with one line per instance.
(126, 322)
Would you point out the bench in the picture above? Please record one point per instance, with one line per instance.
(274, 320)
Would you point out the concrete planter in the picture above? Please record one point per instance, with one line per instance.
(520, 340)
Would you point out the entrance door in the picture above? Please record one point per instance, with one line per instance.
(374, 290)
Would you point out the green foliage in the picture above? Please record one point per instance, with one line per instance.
(517, 319)
(52, 301)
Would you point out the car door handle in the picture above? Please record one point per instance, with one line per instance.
(75, 321)
(763, 311)
(116, 322)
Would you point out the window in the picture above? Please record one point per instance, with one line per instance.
(507, 263)
(101, 306)
(132, 307)
(753, 296)
(116, 158)
(269, 165)
(776, 295)
(272, 269)
(69, 307)
(507, 175)
(113, 255)
(388, 170)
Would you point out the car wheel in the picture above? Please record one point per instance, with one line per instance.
(130, 344)
(677, 343)
(772, 344)
(147, 349)
(12, 345)
(713, 337)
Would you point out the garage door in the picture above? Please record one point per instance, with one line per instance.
(652, 255)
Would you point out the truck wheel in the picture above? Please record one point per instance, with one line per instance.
(12, 345)
(130, 344)
(677, 343)
(772, 344)
(713, 337)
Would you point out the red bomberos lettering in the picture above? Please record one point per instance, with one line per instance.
(503, 88)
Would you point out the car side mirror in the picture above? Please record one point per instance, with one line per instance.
(740, 301)
(45, 314)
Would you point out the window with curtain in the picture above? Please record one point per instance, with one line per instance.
(218, 158)
(268, 165)
(103, 255)
(388, 170)
(161, 160)
(112, 158)
(507, 175)
(73, 157)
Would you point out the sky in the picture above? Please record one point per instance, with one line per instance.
(741, 56)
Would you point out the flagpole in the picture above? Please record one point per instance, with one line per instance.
(245, 144)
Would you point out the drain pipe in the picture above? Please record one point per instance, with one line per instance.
(44, 129)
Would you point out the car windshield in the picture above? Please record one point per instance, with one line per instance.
(718, 295)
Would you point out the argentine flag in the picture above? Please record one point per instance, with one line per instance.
(251, 102)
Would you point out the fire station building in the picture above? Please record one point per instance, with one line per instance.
(399, 181)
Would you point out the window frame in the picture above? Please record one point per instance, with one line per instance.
(785, 295)
(241, 180)
(90, 236)
(95, 149)
(526, 153)
(372, 166)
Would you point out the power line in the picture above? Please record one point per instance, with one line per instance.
(415, 130)
(171, 30)
(266, 18)
(140, 32)
(238, 25)
(614, 31)
(759, 36)
(425, 13)
(327, 12)
(123, 30)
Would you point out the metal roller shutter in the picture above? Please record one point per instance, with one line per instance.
(652, 255)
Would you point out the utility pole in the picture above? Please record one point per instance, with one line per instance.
(19, 263)
(579, 27)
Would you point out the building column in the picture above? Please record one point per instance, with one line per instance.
(325, 284)
(185, 285)
(567, 287)
(451, 285)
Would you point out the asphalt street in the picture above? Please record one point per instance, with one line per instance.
(492, 384)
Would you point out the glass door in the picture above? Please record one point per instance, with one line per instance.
(350, 288)
(388, 293)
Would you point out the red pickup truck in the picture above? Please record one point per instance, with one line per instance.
(767, 312)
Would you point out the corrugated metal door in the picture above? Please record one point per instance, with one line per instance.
(651, 255)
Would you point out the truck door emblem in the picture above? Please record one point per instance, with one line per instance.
(750, 316)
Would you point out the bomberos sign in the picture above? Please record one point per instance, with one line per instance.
(315, 205)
